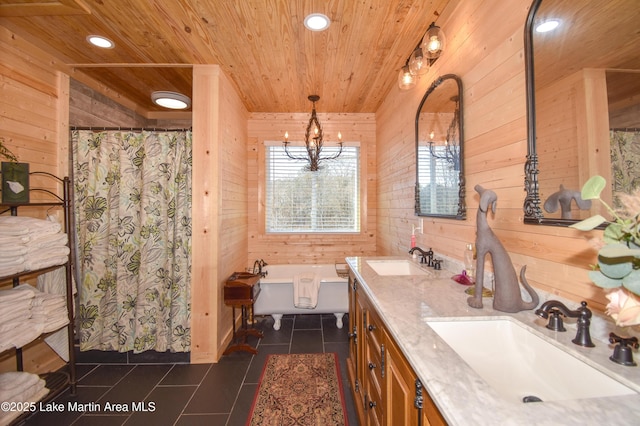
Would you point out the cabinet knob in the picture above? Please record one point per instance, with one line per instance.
(371, 366)
(371, 327)
(372, 404)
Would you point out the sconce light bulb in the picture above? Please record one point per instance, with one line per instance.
(339, 137)
(433, 45)
(432, 135)
(418, 64)
(434, 41)
(286, 136)
(405, 79)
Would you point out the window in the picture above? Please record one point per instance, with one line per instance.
(439, 188)
(298, 200)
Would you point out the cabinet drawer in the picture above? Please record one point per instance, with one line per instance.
(373, 405)
(374, 328)
(373, 365)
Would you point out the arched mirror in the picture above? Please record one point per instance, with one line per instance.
(439, 153)
(583, 106)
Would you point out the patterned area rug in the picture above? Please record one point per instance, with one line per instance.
(299, 389)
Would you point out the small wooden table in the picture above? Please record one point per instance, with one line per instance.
(242, 289)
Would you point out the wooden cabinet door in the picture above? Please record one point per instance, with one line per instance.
(352, 363)
(355, 363)
(407, 402)
(401, 389)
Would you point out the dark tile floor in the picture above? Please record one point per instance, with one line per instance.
(198, 394)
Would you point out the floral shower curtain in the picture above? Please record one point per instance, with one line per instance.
(625, 160)
(132, 193)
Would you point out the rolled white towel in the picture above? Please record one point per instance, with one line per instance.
(31, 265)
(12, 382)
(22, 387)
(5, 271)
(46, 241)
(34, 226)
(10, 230)
(25, 333)
(16, 309)
(23, 291)
(8, 240)
(12, 249)
(6, 261)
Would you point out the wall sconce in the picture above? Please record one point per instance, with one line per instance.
(313, 143)
(423, 56)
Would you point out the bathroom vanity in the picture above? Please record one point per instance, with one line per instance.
(417, 348)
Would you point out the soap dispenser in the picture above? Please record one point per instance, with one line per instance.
(413, 237)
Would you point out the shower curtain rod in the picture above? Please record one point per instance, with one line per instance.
(132, 129)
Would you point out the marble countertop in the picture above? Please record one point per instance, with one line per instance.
(406, 303)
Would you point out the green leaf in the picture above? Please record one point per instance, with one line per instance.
(632, 281)
(613, 233)
(589, 223)
(593, 187)
(617, 271)
(618, 250)
(603, 281)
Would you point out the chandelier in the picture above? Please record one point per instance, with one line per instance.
(451, 152)
(313, 141)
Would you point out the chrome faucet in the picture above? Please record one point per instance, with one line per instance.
(556, 309)
(425, 256)
(257, 267)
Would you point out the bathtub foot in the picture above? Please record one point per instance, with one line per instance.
(339, 320)
(277, 321)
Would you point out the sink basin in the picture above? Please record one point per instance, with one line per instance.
(518, 363)
(396, 267)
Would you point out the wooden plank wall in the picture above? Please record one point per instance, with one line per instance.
(573, 143)
(90, 108)
(219, 208)
(486, 51)
(233, 194)
(33, 104)
(310, 248)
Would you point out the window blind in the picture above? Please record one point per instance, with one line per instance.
(439, 187)
(298, 200)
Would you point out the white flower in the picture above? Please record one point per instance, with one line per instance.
(623, 307)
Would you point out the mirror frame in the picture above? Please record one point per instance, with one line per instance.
(462, 210)
(532, 212)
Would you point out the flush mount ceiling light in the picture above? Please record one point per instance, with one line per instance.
(317, 22)
(101, 41)
(172, 100)
(547, 26)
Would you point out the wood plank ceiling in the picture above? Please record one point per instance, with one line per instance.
(262, 45)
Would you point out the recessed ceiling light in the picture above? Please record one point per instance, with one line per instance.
(547, 26)
(172, 100)
(317, 22)
(100, 41)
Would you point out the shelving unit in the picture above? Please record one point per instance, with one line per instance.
(56, 382)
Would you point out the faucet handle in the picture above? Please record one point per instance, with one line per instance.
(555, 320)
(622, 352)
(437, 264)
